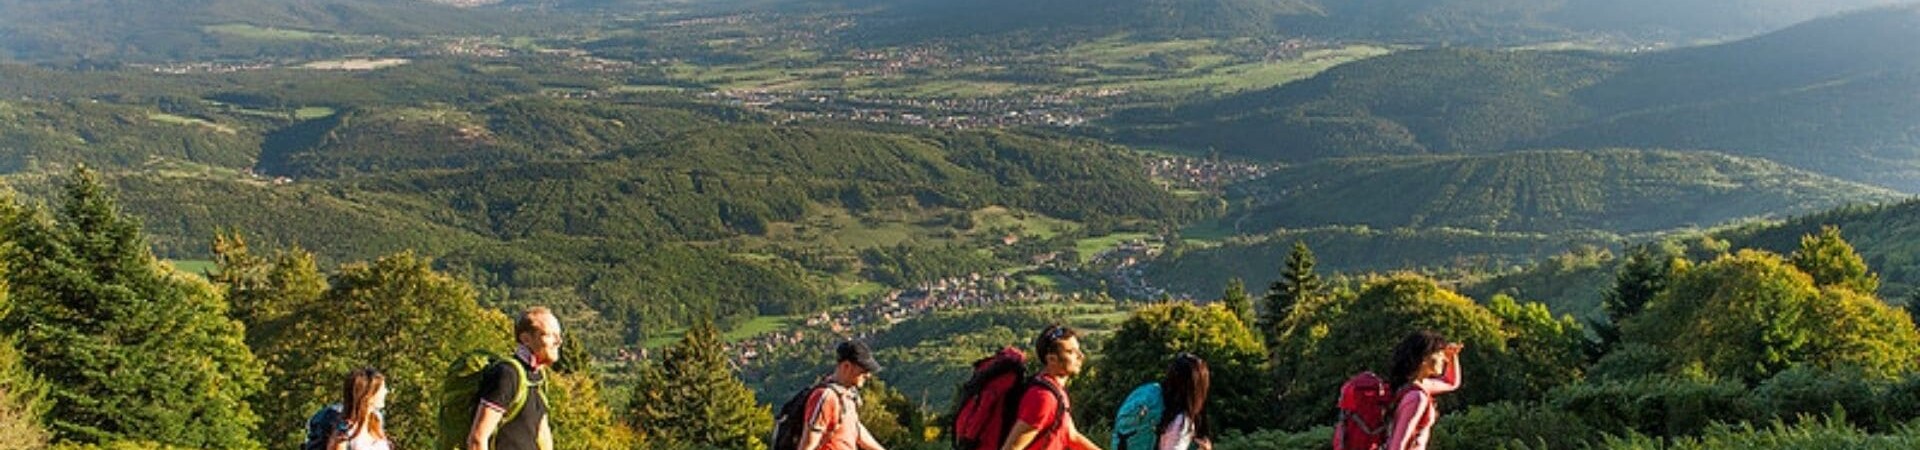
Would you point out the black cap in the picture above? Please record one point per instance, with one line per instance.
(858, 353)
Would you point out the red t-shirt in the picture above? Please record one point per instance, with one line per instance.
(1039, 409)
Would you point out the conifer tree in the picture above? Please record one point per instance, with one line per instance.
(1642, 276)
(1237, 301)
(131, 348)
(1297, 284)
(1833, 262)
(690, 397)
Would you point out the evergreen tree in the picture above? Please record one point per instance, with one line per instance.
(690, 397)
(265, 294)
(1237, 301)
(22, 394)
(132, 349)
(1298, 283)
(1642, 276)
(1832, 262)
(580, 418)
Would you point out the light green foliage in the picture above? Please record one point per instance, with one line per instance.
(1750, 315)
(130, 348)
(1326, 341)
(1141, 350)
(395, 314)
(580, 417)
(690, 397)
(1831, 261)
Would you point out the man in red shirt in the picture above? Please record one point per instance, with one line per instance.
(833, 419)
(1045, 421)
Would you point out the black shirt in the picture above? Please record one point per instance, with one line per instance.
(523, 432)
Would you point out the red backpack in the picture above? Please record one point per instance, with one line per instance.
(989, 400)
(1364, 408)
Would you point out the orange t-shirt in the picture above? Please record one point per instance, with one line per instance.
(833, 410)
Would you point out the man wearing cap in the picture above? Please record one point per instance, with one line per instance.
(833, 416)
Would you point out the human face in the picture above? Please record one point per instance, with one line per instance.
(545, 341)
(1435, 365)
(853, 375)
(380, 397)
(1069, 359)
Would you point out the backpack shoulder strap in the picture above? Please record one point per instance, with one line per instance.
(520, 389)
(1059, 398)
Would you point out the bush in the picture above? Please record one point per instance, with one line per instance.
(1807, 392)
(1659, 406)
(1313, 439)
(1508, 425)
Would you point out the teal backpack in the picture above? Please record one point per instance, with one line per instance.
(460, 395)
(1134, 428)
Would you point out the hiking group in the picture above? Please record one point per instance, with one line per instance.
(497, 401)
(1003, 407)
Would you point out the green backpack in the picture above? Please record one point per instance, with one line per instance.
(460, 395)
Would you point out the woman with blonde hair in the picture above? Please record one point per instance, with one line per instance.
(361, 426)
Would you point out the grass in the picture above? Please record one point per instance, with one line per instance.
(189, 121)
(1247, 76)
(757, 326)
(193, 266)
(312, 112)
(1027, 224)
(1094, 245)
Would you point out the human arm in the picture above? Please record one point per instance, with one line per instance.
(867, 441)
(545, 439)
(485, 420)
(1177, 436)
(1449, 379)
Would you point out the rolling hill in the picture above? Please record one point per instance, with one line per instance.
(1615, 190)
(1828, 96)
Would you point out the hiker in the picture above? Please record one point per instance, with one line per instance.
(360, 426)
(1184, 395)
(832, 418)
(538, 333)
(1424, 366)
(1045, 419)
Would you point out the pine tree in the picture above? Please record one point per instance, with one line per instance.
(130, 348)
(23, 395)
(1237, 301)
(1642, 276)
(265, 295)
(1833, 262)
(1297, 283)
(691, 397)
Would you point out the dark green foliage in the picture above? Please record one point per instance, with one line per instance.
(1656, 406)
(1235, 299)
(1297, 284)
(1514, 426)
(1621, 191)
(44, 136)
(1359, 249)
(1141, 350)
(114, 30)
(1643, 276)
(1883, 235)
(23, 398)
(689, 397)
(130, 348)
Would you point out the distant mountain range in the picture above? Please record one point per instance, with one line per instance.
(1835, 96)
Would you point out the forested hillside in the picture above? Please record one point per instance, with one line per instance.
(1824, 96)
